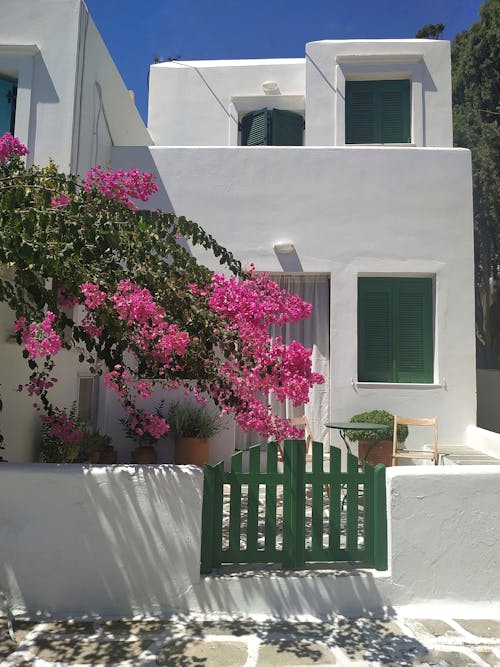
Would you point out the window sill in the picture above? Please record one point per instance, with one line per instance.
(398, 385)
(391, 145)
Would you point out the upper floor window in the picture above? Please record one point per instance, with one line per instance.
(8, 94)
(395, 330)
(272, 127)
(378, 112)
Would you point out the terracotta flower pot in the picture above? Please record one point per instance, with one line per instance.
(144, 455)
(108, 455)
(95, 456)
(379, 453)
(191, 451)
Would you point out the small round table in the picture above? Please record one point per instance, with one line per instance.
(342, 427)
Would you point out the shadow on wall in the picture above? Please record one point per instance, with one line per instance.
(43, 92)
(92, 540)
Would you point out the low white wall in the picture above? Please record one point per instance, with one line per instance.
(110, 540)
(485, 441)
(444, 542)
(125, 540)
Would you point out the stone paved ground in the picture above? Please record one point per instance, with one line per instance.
(241, 642)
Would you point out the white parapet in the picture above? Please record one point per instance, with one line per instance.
(99, 540)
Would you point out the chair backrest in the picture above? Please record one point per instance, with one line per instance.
(302, 421)
(414, 421)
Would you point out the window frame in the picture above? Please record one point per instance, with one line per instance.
(17, 62)
(241, 105)
(393, 329)
(378, 68)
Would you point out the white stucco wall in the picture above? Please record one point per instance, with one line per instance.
(444, 543)
(57, 53)
(111, 540)
(197, 103)
(72, 106)
(485, 441)
(125, 540)
(426, 63)
(348, 211)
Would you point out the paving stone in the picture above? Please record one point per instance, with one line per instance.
(448, 659)
(376, 641)
(285, 652)
(70, 627)
(489, 657)
(139, 628)
(21, 629)
(209, 654)
(431, 626)
(482, 628)
(7, 646)
(88, 651)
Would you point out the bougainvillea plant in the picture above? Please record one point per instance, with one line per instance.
(91, 272)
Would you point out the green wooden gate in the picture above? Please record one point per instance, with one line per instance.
(295, 514)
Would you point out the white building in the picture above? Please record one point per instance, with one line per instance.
(335, 172)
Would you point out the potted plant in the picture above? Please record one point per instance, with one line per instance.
(86, 445)
(138, 429)
(376, 446)
(192, 425)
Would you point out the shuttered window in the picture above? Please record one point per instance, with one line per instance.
(395, 330)
(272, 127)
(8, 94)
(378, 112)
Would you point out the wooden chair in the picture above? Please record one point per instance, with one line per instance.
(308, 436)
(414, 454)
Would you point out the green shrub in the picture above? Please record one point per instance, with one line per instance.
(377, 417)
(193, 420)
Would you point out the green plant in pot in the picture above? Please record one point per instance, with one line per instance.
(136, 429)
(91, 446)
(192, 425)
(376, 446)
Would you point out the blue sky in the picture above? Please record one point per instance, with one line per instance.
(138, 32)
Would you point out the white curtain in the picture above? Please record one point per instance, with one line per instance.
(313, 333)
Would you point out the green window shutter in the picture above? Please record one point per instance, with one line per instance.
(375, 330)
(287, 128)
(255, 128)
(8, 93)
(414, 318)
(378, 112)
(395, 330)
(394, 117)
(361, 113)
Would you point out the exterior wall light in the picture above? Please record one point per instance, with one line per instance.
(271, 88)
(283, 247)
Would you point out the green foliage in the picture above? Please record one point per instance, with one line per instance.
(377, 417)
(52, 450)
(476, 116)
(193, 420)
(430, 31)
(95, 239)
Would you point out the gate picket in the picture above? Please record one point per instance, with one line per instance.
(358, 515)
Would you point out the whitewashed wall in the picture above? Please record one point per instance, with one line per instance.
(125, 540)
(198, 103)
(110, 540)
(348, 210)
(444, 543)
(330, 63)
(72, 106)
